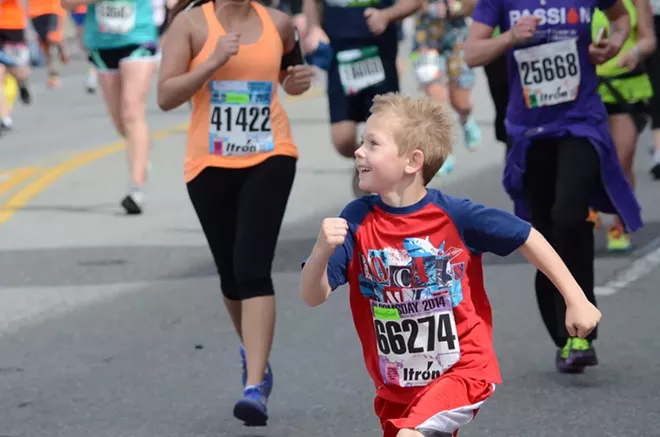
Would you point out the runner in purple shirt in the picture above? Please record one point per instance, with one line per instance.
(562, 158)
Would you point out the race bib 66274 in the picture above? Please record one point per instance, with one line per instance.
(417, 340)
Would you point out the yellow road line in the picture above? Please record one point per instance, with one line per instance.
(27, 193)
(16, 177)
(22, 197)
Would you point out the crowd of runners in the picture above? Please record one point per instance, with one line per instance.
(574, 83)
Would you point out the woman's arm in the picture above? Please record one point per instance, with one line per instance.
(481, 49)
(295, 76)
(646, 42)
(176, 85)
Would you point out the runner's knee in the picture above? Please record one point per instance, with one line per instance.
(346, 148)
(246, 280)
(462, 106)
(131, 109)
(343, 138)
(571, 207)
(255, 287)
(228, 287)
(21, 73)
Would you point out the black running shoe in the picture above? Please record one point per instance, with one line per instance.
(131, 205)
(655, 171)
(24, 93)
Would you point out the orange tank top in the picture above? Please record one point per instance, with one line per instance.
(237, 120)
(12, 15)
(45, 7)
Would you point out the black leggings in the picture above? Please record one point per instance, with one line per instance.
(498, 84)
(653, 70)
(241, 212)
(560, 179)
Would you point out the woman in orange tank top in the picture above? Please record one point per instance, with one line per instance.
(240, 157)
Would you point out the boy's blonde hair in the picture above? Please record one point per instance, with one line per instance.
(423, 124)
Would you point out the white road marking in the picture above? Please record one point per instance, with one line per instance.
(638, 269)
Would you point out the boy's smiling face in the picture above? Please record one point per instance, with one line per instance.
(380, 164)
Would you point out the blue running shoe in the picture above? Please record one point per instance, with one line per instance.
(268, 377)
(448, 166)
(252, 409)
(472, 134)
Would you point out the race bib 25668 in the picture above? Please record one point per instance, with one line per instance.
(549, 73)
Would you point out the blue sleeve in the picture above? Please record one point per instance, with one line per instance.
(487, 229)
(354, 213)
(489, 12)
(340, 260)
(605, 4)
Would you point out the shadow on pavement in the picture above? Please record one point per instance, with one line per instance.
(121, 264)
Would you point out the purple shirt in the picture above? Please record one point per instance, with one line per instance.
(583, 117)
(564, 19)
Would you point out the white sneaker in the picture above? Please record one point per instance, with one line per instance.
(133, 202)
(6, 123)
(92, 82)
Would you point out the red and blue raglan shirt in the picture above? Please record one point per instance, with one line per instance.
(417, 290)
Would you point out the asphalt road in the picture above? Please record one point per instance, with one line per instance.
(113, 326)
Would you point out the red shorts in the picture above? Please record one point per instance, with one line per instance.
(442, 408)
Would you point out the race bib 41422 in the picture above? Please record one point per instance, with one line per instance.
(359, 69)
(115, 16)
(239, 122)
(549, 73)
(417, 340)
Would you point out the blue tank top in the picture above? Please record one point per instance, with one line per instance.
(344, 19)
(550, 77)
(112, 24)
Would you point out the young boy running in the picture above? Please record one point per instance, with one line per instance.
(412, 259)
